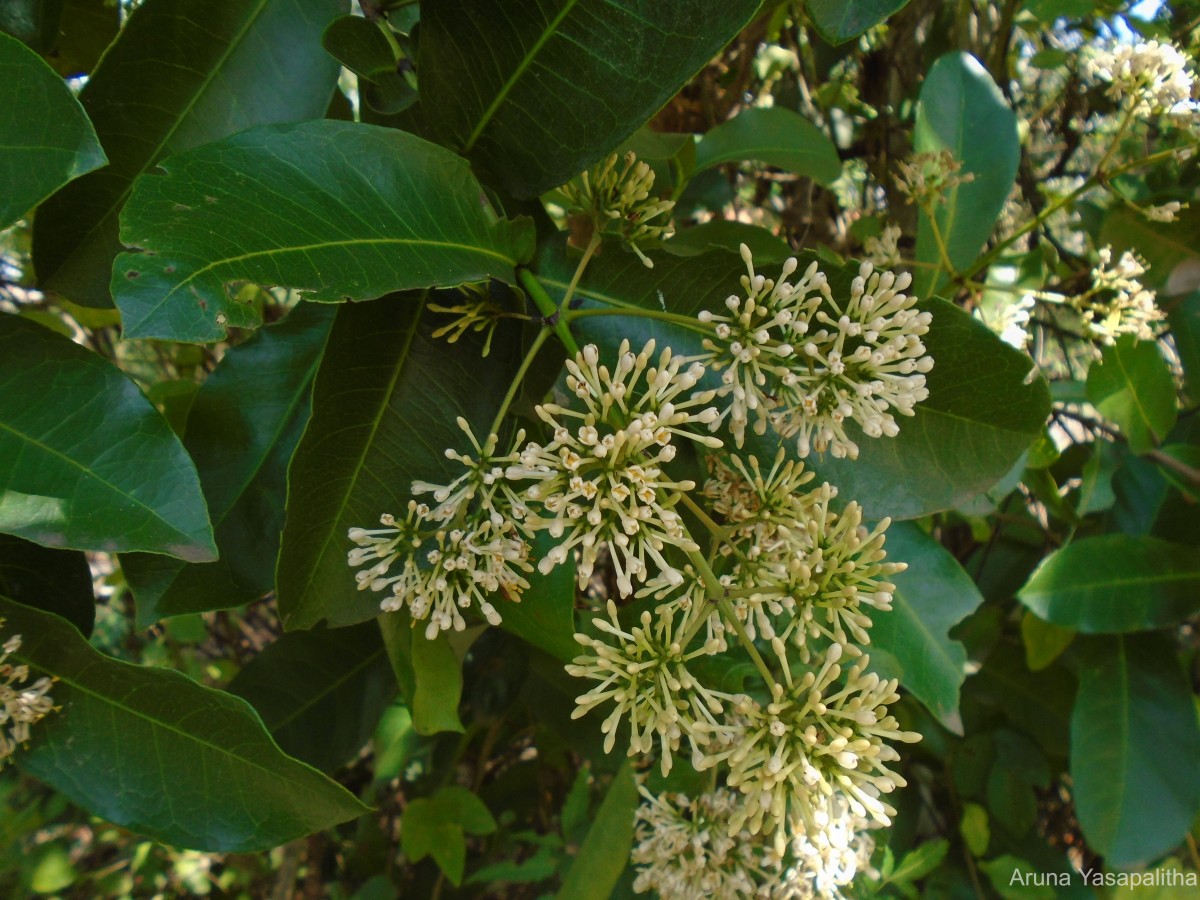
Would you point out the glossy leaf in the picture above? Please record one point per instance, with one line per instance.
(536, 91)
(242, 428)
(1134, 746)
(1132, 386)
(145, 749)
(604, 852)
(46, 139)
(93, 466)
(912, 641)
(777, 137)
(840, 21)
(545, 617)
(962, 110)
(985, 405)
(1114, 583)
(336, 210)
(182, 74)
(1171, 250)
(385, 401)
(57, 581)
(320, 693)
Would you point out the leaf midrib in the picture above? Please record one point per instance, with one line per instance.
(363, 663)
(304, 248)
(155, 154)
(159, 723)
(401, 362)
(20, 435)
(526, 62)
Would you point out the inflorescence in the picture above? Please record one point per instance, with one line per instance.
(21, 704)
(802, 753)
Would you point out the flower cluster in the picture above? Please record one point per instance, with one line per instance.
(689, 847)
(926, 178)
(883, 251)
(622, 199)
(1118, 302)
(1152, 76)
(793, 355)
(802, 758)
(21, 705)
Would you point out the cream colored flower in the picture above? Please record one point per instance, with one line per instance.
(21, 704)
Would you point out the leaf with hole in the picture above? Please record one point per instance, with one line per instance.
(182, 73)
(335, 210)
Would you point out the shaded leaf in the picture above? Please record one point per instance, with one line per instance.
(242, 428)
(336, 210)
(46, 139)
(224, 68)
(536, 91)
(320, 693)
(1044, 641)
(437, 682)
(545, 617)
(1114, 583)
(1134, 746)
(94, 467)
(962, 110)
(147, 749)
(840, 21)
(722, 234)
(777, 137)
(604, 852)
(1132, 386)
(436, 825)
(384, 405)
(919, 862)
(912, 641)
(57, 581)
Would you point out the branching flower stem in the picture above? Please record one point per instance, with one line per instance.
(530, 354)
(717, 591)
(548, 309)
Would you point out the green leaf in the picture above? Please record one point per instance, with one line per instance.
(1016, 879)
(320, 693)
(424, 832)
(46, 139)
(32, 22)
(384, 403)
(154, 752)
(974, 828)
(536, 91)
(918, 863)
(985, 404)
(57, 581)
(604, 852)
(962, 110)
(1171, 250)
(545, 617)
(62, 484)
(1044, 641)
(1132, 386)
(777, 137)
(840, 21)
(336, 210)
(223, 69)
(912, 641)
(1115, 583)
(437, 681)
(723, 234)
(243, 426)
(360, 46)
(1134, 746)
(462, 806)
